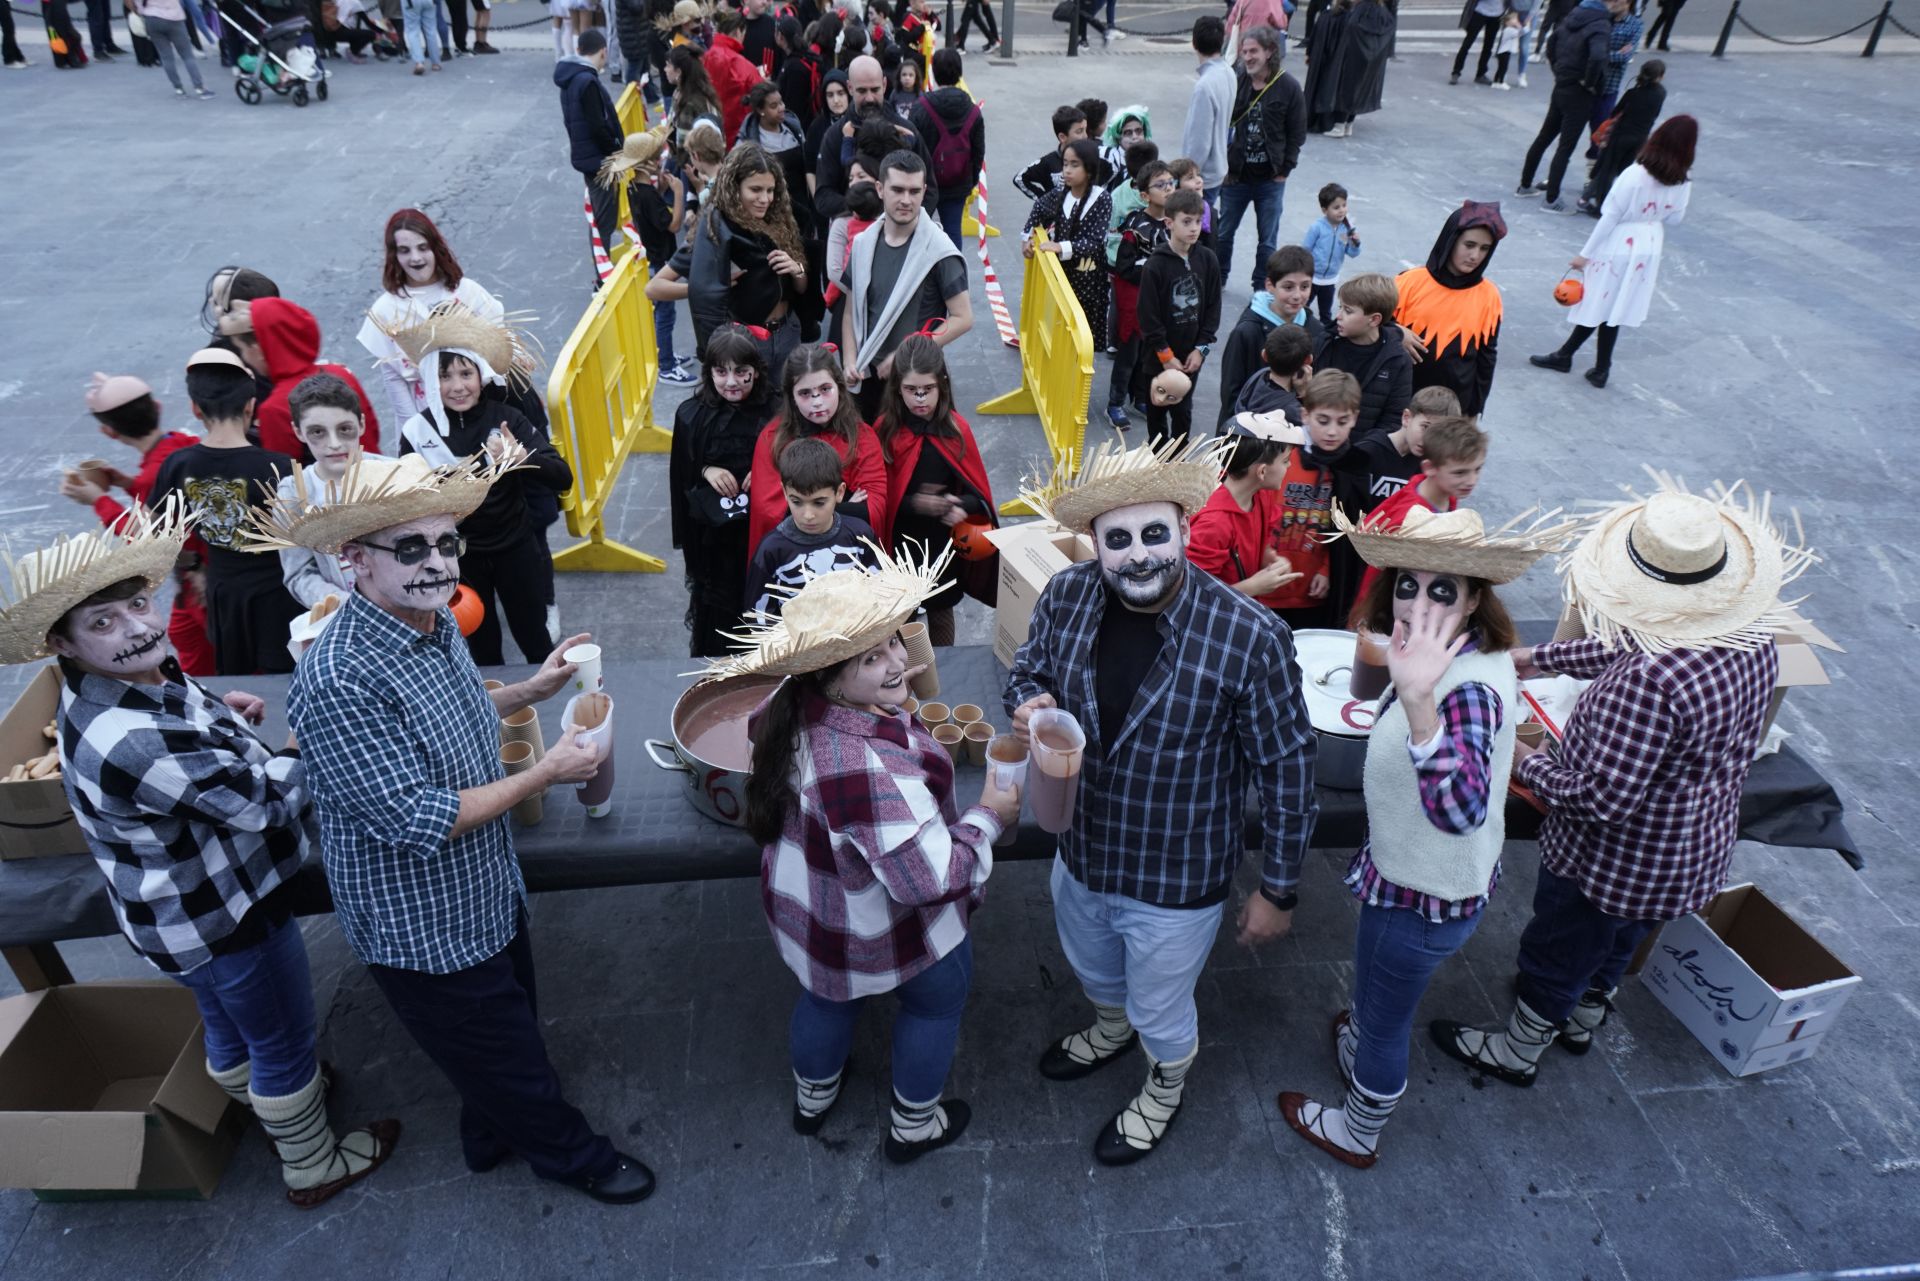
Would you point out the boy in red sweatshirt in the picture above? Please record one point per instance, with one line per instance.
(1323, 472)
(280, 340)
(1230, 537)
(1453, 453)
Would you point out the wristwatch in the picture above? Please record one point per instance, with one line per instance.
(1285, 902)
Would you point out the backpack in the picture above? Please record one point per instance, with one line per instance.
(953, 153)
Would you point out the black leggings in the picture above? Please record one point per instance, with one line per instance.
(978, 13)
(1604, 352)
(1323, 299)
(520, 576)
(1663, 25)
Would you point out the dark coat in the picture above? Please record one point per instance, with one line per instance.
(1383, 370)
(593, 127)
(1579, 47)
(951, 105)
(1283, 121)
(1347, 61)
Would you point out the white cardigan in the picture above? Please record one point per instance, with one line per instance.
(1407, 848)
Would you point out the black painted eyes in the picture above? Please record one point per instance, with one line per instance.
(1155, 535)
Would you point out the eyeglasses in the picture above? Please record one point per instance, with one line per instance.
(415, 548)
(1163, 184)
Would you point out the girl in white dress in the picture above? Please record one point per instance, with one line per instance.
(1621, 259)
(418, 273)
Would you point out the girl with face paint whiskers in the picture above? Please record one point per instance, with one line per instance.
(1438, 760)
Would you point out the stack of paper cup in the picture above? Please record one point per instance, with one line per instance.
(586, 662)
(920, 652)
(518, 758)
(591, 714)
(524, 727)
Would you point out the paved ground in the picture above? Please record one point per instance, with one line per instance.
(1778, 351)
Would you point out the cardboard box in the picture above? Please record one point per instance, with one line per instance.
(35, 819)
(104, 1094)
(1799, 664)
(1748, 981)
(1030, 554)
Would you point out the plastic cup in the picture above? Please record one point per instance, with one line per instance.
(1007, 758)
(592, 714)
(968, 713)
(1369, 677)
(954, 739)
(978, 734)
(518, 758)
(586, 660)
(920, 651)
(934, 715)
(1058, 744)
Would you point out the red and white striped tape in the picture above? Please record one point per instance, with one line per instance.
(996, 300)
(601, 263)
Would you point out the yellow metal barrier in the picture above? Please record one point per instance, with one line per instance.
(600, 399)
(631, 107)
(968, 226)
(1056, 360)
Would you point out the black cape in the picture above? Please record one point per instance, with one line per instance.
(1347, 63)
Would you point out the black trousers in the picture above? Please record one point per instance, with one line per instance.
(520, 579)
(1662, 27)
(1567, 113)
(1478, 24)
(1170, 423)
(1323, 301)
(480, 1027)
(100, 26)
(977, 13)
(457, 19)
(9, 42)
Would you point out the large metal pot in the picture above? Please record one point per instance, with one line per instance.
(710, 746)
(1340, 721)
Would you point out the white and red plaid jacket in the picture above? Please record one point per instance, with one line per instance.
(876, 870)
(1644, 794)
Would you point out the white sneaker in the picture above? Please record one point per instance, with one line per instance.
(1502, 86)
(1523, 79)
(1118, 34)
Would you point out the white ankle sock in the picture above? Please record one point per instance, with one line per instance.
(309, 1153)
(815, 1097)
(234, 1081)
(1107, 1037)
(1355, 1126)
(917, 1122)
(1143, 1121)
(1588, 1015)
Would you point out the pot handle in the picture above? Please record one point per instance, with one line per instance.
(674, 763)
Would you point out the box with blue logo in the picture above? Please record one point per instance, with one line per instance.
(1749, 981)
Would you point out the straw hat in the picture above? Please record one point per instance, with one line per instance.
(833, 617)
(46, 584)
(1677, 570)
(1114, 476)
(374, 494)
(107, 392)
(1456, 542)
(637, 150)
(451, 326)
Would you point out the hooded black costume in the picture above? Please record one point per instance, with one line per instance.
(1347, 63)
(1457, 316)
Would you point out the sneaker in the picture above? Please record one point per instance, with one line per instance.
(679, 375)
(1118, 34)
(992, 48)
(1523, 79)
(483, 47)
(179, 93)
(1555, 206)
(1454, 79)
(1482, 80)
(1502, 86)
(1117, 418)
(206, 94)
(1528, 189)
(21, 65)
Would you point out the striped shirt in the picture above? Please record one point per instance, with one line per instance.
(393, 724)
(1161, 814)
(192, 819)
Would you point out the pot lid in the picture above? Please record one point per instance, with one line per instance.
(1326, 662)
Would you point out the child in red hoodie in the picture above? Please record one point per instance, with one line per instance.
(1454, 451)
(280, 340)
(1231, 537)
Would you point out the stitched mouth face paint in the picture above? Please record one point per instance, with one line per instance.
(124, 639)
(1142, 552)
(426, 586)
(139, 649)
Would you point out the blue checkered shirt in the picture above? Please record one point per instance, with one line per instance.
(192, 819)
(1622, 43)
(393, 724)
(1161, 812)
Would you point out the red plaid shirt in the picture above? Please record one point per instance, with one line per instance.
(1644, 793)
(876, 870)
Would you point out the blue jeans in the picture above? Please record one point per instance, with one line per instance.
(257, 1005)
(1570, 946)
(663, 332)
(1266, 195)
(925, 1031)
(1137, 955)
(953, 211)
(1394, 956)
(419, 18)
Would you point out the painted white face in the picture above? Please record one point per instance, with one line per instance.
(125, 639)
(733, 382)
(1143, 552)
(1448, 593)
(415, 256)
(427, 584)
(332, 434)
(878, 677)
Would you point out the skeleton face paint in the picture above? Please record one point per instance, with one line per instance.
(124, 639)
(1143, 553)
(382, 579)
(1447, 593)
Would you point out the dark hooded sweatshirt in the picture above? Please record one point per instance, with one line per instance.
(593, 127)
(1456, 316)
(1383, 370)
(289, 339)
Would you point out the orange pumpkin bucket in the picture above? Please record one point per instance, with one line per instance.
(970, 540)
(1570, 290)
(468, 609)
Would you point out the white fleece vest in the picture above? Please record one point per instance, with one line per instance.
(1407, 848)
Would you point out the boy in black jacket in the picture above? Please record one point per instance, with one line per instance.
(1043, 175)
(1179, 311)
(593, 132)
(1141, 232)
(1284, 301)
(1289, 363)
(1366, 344)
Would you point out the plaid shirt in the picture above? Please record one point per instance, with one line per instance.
(876, 869)
(1454, 770)
(394, 724)
(1644, 793)
(191, 817)
(1161, 812)
(1622, 42)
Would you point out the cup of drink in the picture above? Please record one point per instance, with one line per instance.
(592, 714)
(954, 739)
(1007, 758)
(979, 734)
(95, 471)
(491, 686)
(1532, 733)
(1369, 678)
(934, 715)
(967, 713)
(1058, 744)
(910, 705)
(586, 662)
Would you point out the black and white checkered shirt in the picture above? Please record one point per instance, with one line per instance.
(393, 725)
(191, 817)
(1161, 812)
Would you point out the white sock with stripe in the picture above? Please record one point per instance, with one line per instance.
(814, 1097)
(1110, 1034)
(234, 1081)
(309, 1153)
(917, 1122)
(1354, 1127)
(1143, 1121)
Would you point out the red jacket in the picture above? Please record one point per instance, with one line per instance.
(769, 502)
(963, 454)
(1229, 543)
(1392, 514)
(289, 339)
(732, 76)
(110, 509)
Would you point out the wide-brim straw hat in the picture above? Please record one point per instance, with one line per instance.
(1678, 570)
(833, 617)
(45, 584)
(453, 325)
(1113, 476)
(1457, 542)
(637, 150)
(373, 494)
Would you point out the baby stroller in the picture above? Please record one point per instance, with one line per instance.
(283, 58)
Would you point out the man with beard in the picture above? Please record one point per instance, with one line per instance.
(1187, 692)
(198, 826)
(401, 743)
(867, 82)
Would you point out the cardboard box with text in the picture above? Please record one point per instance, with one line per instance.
(1030, 554)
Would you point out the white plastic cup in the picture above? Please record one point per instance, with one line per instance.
(586, 661)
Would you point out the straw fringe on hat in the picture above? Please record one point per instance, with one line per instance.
(1677, 570)
(1457, 542)
(1112, 475)
(637, 150)
(833, 617)
(373, 494)
(453, 324)
(45, 584)
(683, 13)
